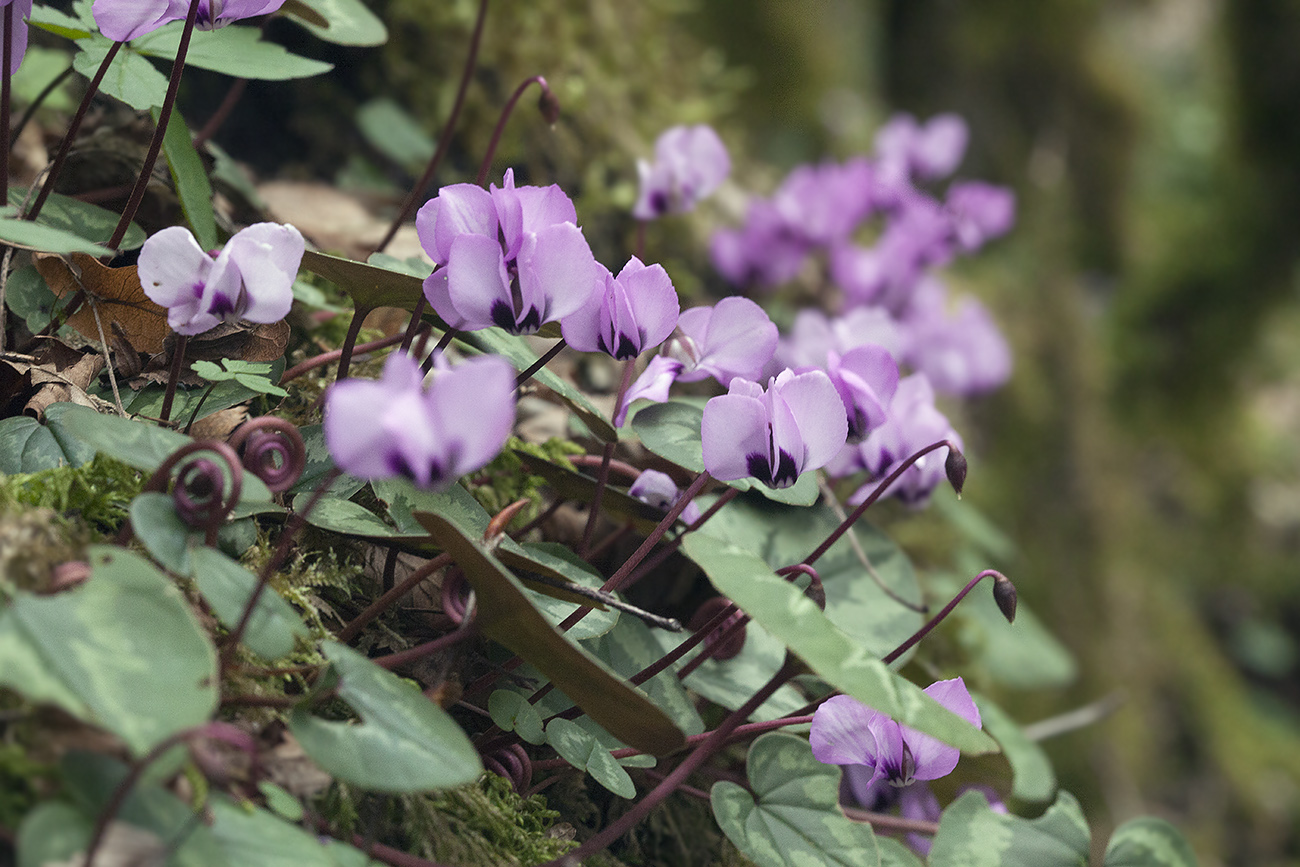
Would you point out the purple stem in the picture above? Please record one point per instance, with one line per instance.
(223, 111)
(539, 363)
(155, 145)
(334, 355)
(602, 474)
(938, 618)
(486, 165)
(349, 632)
(178, 363)
(350, 341)
(870, 501)
(444, 140)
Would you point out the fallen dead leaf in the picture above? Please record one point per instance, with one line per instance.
(220, 425)
(335, 220)
(117, 294)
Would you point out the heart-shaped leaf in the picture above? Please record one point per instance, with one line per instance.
(1148, 842)
(226, 586)
(834, 656)
(581, 749)
(506, 616)
(122, 651)
(970, 832)
(793, 816)
(512, 713)
(236, 51)
(404, 743)
(27, 446)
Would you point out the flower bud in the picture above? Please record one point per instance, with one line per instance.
(734, 642)
(549, 105)
(1004, 593)
(955, 467)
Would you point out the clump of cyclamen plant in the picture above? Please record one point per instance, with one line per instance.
(123, 20)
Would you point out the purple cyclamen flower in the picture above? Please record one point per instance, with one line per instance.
(866, 378)
(961, 354)
(979, 212)
(632, 312)
(251, 278)
(512, 257)
(397, 427)
(123, 20)
(690, 163)
(659, 490)
(734, 338)
(912, 423)
(929, 151)
(18, 31)
(814, 336)
(797, 424)
(847, 732)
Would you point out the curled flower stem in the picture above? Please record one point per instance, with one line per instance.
(486, 165)
(345, 351)
(870, 501)
(266, 440)
(287, 536)
(349, 632)
(178, 363)
(540, 363)
(706, 748)
(211, 514)
(73, 128)
(334, 355)
(155, 145)
(444, 140)
(944, 612)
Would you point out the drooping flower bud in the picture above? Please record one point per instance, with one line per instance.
(1004, 593)
(955, 467)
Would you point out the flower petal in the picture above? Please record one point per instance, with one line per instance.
(559, 275)
(172, 265)
(476, 279)
(652, 384)
(733, 431)
(934, 758)
(461, 209)
(841, 732)
(474, 403)
(738, 341)
(123, 21)
(819, 412)
(268, 256)
(653, 300)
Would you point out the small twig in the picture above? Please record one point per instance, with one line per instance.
(108, 362)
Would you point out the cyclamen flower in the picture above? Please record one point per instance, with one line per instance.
(123, 20)
(876, 748)
(17, 31)
(797, 424)
(433, 435)
(510, 257)
(734, 338)
(980, 212)
(866, 378)
(690, 163)
(632, 312)
(930, 151)
(252, 278)
(659, 490)
(962, 353)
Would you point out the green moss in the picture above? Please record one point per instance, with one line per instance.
(504, 480)
(95, 494)
(486, 823)
(21, 783)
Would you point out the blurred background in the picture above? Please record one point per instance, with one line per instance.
(1139, 478)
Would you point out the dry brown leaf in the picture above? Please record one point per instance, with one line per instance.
(117, 293)
(220, 425)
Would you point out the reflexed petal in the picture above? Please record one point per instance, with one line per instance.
(171, 264)
(234, 10)
(739, 340)
(510, 214)
(559, 274)
(267, 256)
(734, 428)
(584, 329)
(121, 21)
(18, 34)
(476, 279)
(475, 405)
(653, 300)
(935, 759)
(816, 407)
(545, 206)
(435, 291)
(654, 489)
(461, 209)
(939, 148)
(787, 445)
(652, 384)
(841, 732)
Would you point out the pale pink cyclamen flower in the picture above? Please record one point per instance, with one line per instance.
(123, 20)
(251, 278)
(17, 31)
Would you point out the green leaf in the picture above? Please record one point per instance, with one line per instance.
(793, 816)
(61, 24)
(91, 222)
(404, 743)
(122, 651)
(320, 464)
(855, 602)
(148, 400)
(46, 239)
(558, 561)
(1148, 842)
(506, 616)
(392, 131)
(581, 749)
(629, 648)
(834, 656)
(53, 831)
(29, 297)
(517, 351)
(970, 832)
(672, 430)
(344, 516)
(347, 22)
(895, 854)
(255, 376)
(190, 178)
(165, 536)
(235, 51)
(370, 286)
(281, 801)
(455, 503)
(226, 586)
(512, 713)
(252, 837)
(131, 78)
(1033, 778)
(27, 446)
(574, 485)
